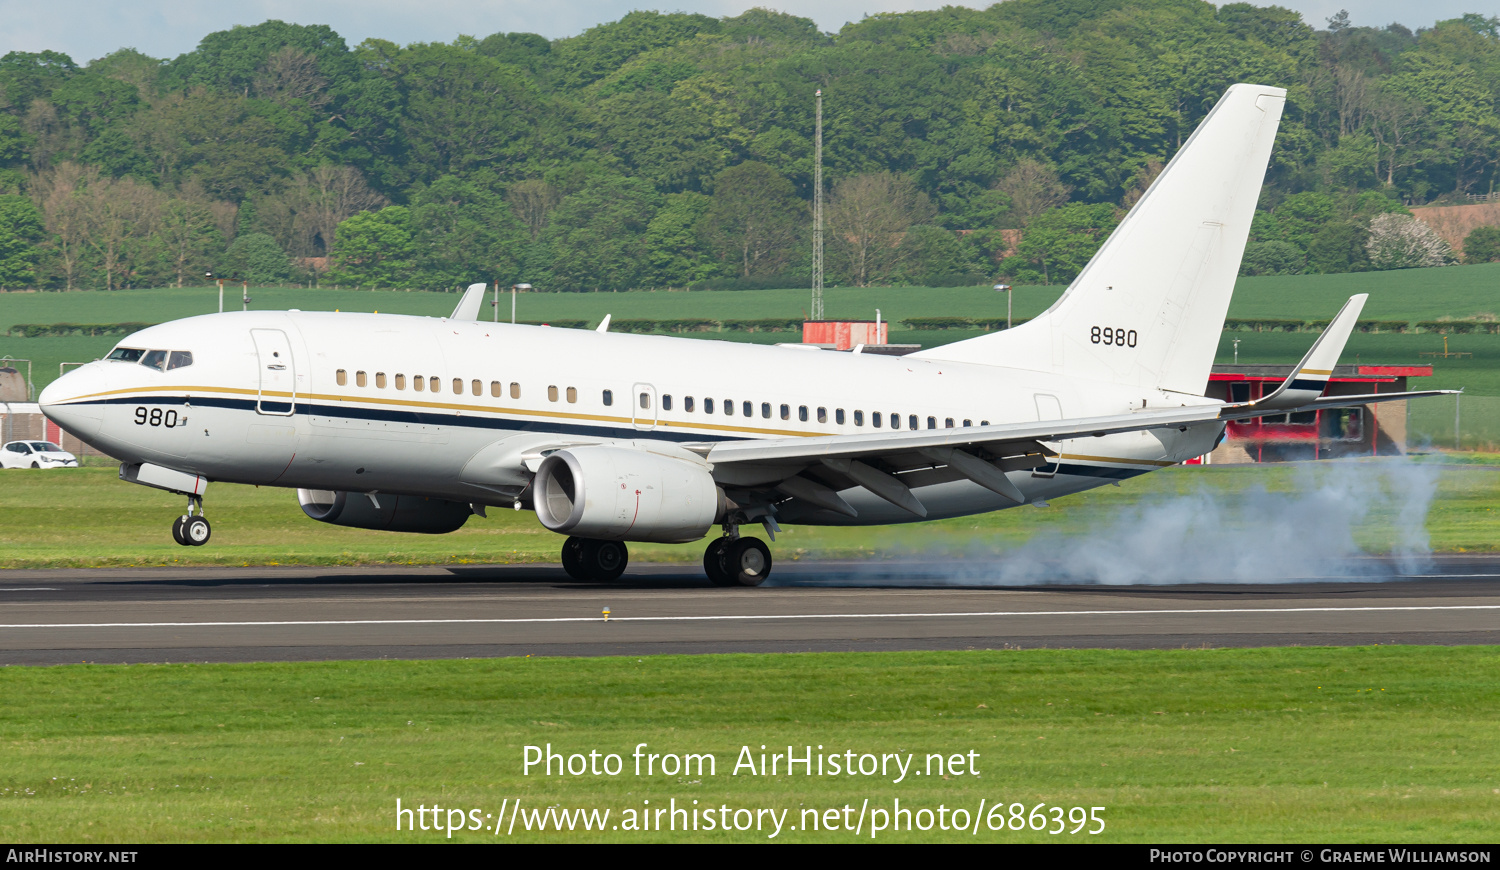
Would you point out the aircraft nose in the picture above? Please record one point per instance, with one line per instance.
(73, 401)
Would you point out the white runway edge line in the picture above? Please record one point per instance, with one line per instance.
(746, 617)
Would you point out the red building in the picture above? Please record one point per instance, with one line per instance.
(1376, 429)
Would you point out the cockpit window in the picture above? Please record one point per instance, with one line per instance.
(155, 359)
(180, 359)
(126, 354)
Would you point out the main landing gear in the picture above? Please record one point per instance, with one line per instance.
(736, 561)
(597, 561)
(191, 529)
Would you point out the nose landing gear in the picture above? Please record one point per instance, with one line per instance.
(192, 529)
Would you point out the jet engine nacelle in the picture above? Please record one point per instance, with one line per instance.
(390, 513)
(626, 494)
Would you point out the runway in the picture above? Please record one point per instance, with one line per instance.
(308, 614)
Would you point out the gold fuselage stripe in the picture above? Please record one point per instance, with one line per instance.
(519, 412)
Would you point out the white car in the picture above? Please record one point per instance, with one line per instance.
(36, 454)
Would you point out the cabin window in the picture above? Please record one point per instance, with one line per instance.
(822, 415)
(708, 406)
(458, 386)
(645, 401)
(400, 382)
(913, 423)
(515, 390)
(875, 419)
(859, 418)
(687, 404)
(180, 359)
(435, 384)
(572, 394)
(341, 377)
(359, 379)
(895, 420)
(552, 393)
(838, 416)
(802, 413)
(932, 423)
(380, 380)
(765, 410)
(609, 398)
(748, 409)
(418, 383)
(666, 402)
(984, 422)
(968, 423)
(497, 389)
(947, 422)
(786, 412)
(729, 407)
(476, 387)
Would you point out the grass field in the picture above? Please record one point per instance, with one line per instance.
(1383, 744)
(87, 517)
(1458, 291)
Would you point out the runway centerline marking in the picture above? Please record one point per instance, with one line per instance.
(747, 617)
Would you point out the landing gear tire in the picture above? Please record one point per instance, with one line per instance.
(604, 561)
(177, 535)
(713, 562)
(747, 562)
(196, 531)
(572, 558)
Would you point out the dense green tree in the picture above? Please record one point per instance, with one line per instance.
(255, 257)
(21, 230)
(1482, 245)
(465, 233)
(375, 249)
(1058, 244)
(754, 220)
(676, 255)
(596, 239)
(1274, 257)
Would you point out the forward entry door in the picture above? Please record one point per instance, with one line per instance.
(278, 375)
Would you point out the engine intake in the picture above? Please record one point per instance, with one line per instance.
(626, 494)
(396, 513)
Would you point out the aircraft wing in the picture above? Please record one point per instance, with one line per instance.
(814, 469)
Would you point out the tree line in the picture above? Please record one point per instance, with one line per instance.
(676, 150)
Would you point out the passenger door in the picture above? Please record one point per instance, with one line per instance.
(278, 375)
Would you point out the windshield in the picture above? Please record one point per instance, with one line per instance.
(45, 447)
(126, 354)
(155, 359)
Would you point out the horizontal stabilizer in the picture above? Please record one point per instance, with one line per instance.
(1242, 412)
(468, 306)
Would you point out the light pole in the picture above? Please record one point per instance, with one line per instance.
(210, 276)
(1236, 350)
(1005, 288)
(245, 294)
(513, 289)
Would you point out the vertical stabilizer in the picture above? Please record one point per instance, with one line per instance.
(1149, 308)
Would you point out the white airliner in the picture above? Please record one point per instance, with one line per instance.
(416, 423)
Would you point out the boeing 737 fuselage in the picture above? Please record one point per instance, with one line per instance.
(415, 424)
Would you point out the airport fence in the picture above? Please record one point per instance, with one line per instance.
(1432, 423)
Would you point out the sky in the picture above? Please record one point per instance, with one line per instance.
(88, 29)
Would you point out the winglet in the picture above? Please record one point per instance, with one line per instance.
(1308, 380)
(468, 306)
(603, 325)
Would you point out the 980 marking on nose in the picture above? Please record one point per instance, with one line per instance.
(157, 417)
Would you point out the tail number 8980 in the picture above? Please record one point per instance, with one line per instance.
(1116, 337)
(158, 417)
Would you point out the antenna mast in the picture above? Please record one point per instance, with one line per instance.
(817, 263)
